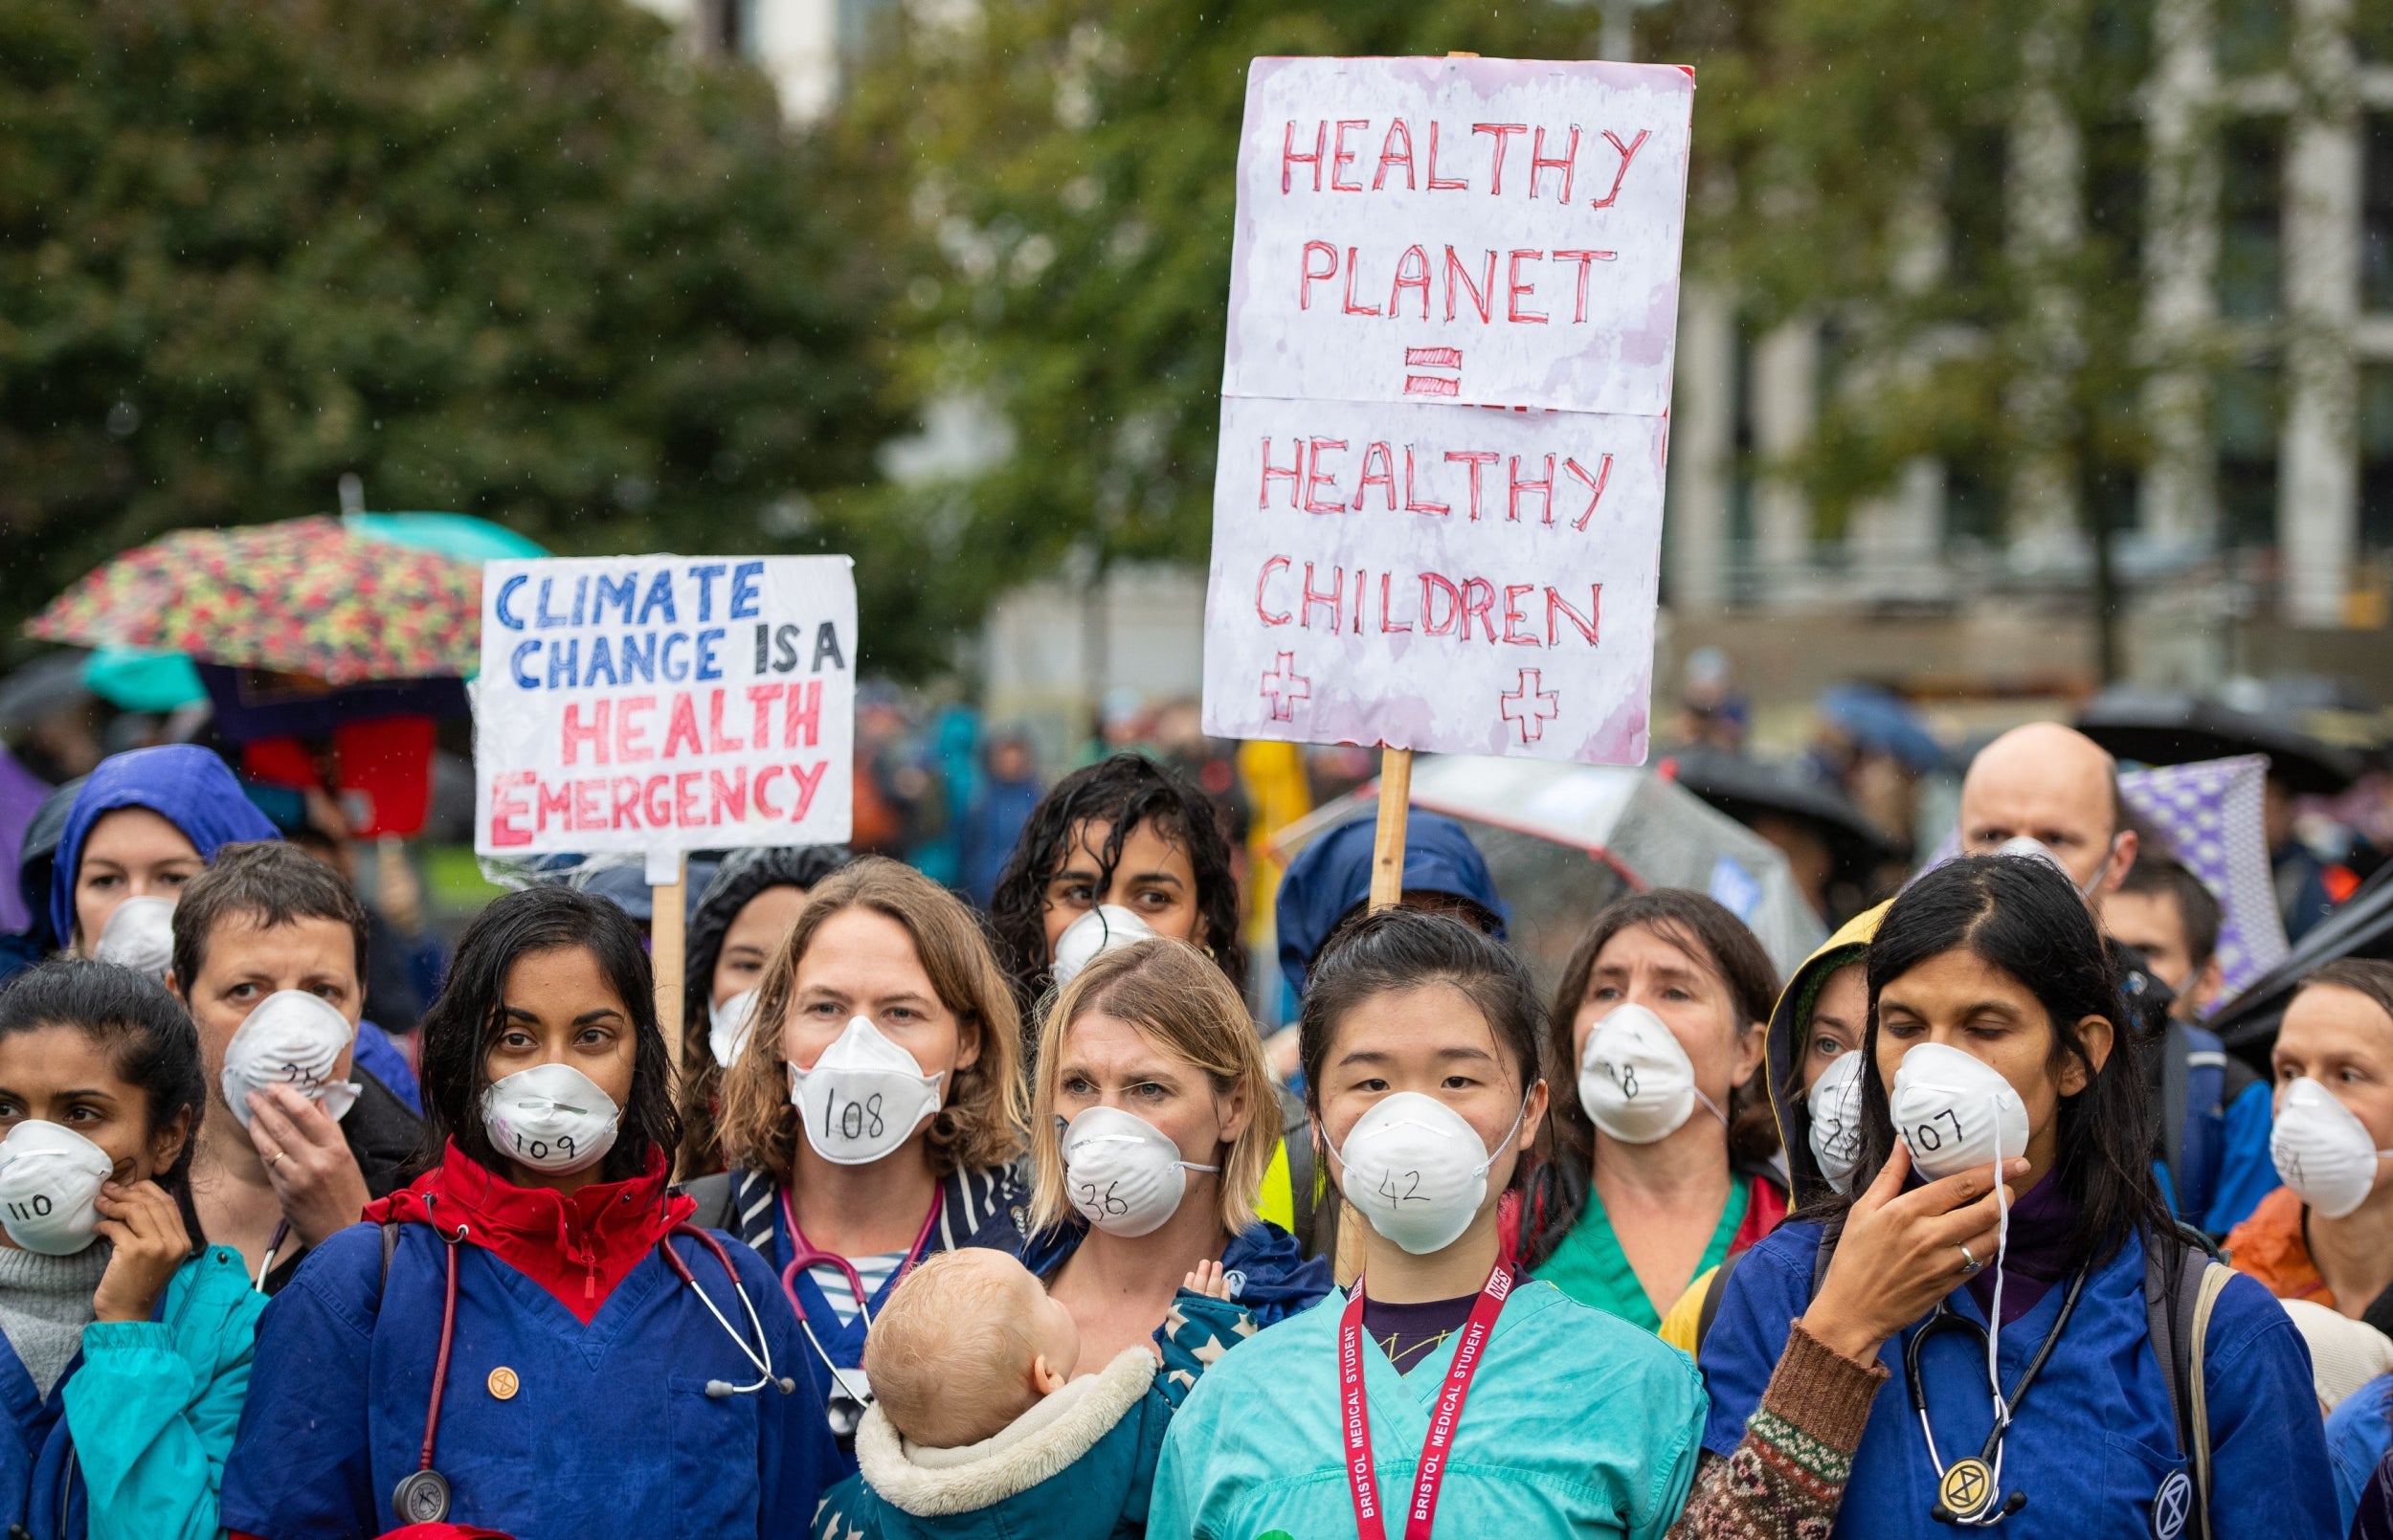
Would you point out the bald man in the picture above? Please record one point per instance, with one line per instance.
(2059, 787)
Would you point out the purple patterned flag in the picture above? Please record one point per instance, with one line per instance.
(2210, 814)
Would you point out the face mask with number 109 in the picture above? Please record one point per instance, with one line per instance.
(550, 1117)
(864, 1097)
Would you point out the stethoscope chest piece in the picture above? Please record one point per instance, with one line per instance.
(1965, 1492)
(421, 1497)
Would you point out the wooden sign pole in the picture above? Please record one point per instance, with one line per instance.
(668, 914)
(1387, 849)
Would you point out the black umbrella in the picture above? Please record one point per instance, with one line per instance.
(43, 687)
(1749, 789)
(2178, 727)
(2361, 926)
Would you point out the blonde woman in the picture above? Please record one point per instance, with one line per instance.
(872, 1114)
(1152, 1122)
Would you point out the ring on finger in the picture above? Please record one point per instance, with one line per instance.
(280, 1154)
(1970, 1264)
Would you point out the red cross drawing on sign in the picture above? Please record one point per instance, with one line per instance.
(1528, 707)
(1283, 687)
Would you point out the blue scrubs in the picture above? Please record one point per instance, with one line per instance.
(606, 1429)
(2096, 1437)
(28, 1461)
(843, 1344)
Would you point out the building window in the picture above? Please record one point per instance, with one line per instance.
(2376, 229)
(2252, 34)
(1973, 498)
(2244, 416)
(1973, 213)
(2115, 195)
(2376, 458)
(2251, 155)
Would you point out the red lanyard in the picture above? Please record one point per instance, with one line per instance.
(1370, 1523)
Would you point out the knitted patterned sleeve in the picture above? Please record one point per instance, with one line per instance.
(1787, 1475)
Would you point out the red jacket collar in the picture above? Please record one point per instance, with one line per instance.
(578, 1248)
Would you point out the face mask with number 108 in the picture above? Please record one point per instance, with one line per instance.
(864, 1097)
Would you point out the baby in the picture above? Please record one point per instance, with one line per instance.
(982, 1422)
(966, 1344)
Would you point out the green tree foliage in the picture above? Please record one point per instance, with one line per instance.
(525, 258)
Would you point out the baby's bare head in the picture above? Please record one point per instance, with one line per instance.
(968, 1342)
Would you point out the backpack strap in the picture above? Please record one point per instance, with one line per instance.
(390, 1249)
(2215, 1277)
(2176, 1089)
(1713, 1292)
(2182, 1276)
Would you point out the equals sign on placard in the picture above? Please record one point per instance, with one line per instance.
(1440, 358)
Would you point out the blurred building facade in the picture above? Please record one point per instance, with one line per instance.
(2263, 185)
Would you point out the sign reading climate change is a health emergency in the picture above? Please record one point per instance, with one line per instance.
(1453, 310)
(664, 702)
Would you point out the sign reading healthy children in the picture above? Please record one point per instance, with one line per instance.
(1453, 313)
(664, 704)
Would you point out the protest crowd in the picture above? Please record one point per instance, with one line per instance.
(836, 1114)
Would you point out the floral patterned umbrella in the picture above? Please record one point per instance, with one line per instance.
(303, 597)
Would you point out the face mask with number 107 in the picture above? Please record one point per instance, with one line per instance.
(550, 1117)
(864, 1097)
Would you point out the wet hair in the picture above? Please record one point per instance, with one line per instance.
(2022, 916)
(1123, 791)
(1397, 949)
(980, 1124)
(462, 1023)
(950, 1356)
(2367, 976)
(1181, 1004)
(268, 883)
(149, 1038)
(1715, 941)
(2197, 912)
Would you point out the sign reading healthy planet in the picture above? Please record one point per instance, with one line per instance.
(1445, 405)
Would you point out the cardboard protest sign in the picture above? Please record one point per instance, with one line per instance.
(1438, 503)
(1502, 232)
(664, 703)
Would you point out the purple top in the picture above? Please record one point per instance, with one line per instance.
(1408, 1333)
(2037, 1255)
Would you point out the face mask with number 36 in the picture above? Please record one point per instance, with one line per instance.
(550, 1117)
(864, 1097)
(1416, 1169)
(1124, 1175)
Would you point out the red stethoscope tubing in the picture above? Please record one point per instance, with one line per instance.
(805, 1255)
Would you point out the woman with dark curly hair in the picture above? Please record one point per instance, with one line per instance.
(540, 1257)
(1115, 851)
(871, 1117)
(1662, 1129)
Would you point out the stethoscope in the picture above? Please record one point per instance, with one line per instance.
(422, 1495)
(845, 1408)
(1966, 1489)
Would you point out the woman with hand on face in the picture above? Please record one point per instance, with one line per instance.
(2005, 1247)
(2327, 1235)
(532, 1338)
(749, 906)
(871, 1117)
(1148, 1151)
(1421, 1055)
(145, 824)
(1664, 1133)
(127, 1338)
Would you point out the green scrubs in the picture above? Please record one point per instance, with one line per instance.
(1591, 1267)
(1576, 1424)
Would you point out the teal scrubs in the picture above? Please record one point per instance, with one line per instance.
(1590, 1266)
(1576, 1424)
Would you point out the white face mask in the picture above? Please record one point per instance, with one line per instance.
(1416, 1169)
(2322, 1149)
(1835, 1104)
(1093, 934)
(139, 936)
(727, 1025)
(295, 1036)
(550, 1117)
(49, 1177)
(1635, 1079)
(1121, 1171)
(2030, 846)
(1955, 1112)
(864, 1097)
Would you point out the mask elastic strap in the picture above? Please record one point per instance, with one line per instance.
(1710, 1105)
(1192, 1166)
